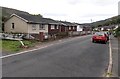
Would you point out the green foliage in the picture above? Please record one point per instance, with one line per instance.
(6, 12)
(117, 31)
(10, 45)
(62, 34)
(38, 15)
(118, 20)
(107, 22)
(29, 43)
(14, 46)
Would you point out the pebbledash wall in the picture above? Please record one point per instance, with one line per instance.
(35, 32)
(19, 25)
(37, 29)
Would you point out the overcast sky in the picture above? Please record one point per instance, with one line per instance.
(81, 11)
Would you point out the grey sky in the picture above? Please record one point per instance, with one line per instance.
(81, 11)
(119, 8)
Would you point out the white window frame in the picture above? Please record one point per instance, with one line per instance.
(41, 27)
(73, 27)
(52, 27)
(70, 28)
(34, 27)
(57, 27)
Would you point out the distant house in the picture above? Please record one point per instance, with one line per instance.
(79, 27)
(31, 24)
(34, 24)
(68, 26)
(107, 28)
(86, 27)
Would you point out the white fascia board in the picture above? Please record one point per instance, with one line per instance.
(54, 23)
(19, 17)
(60, 23)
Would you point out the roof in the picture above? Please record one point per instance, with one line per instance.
(67, 23)
(36, 19)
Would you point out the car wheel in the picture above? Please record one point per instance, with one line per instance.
(93, 41)
(105, 42)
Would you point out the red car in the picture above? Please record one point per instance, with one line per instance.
(100, 37)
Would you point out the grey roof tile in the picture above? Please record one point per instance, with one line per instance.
(67, 23)
(37, 19)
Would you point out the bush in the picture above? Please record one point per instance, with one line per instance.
(117, 32)
(14, 46)
(11, 45)
(62, 34)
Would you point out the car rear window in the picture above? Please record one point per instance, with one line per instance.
(99, 33)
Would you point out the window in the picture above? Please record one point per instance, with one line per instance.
(12, 26)
(74, 27)
(69, 28)
(52, 27)
(41, 27)
(33, 27)
(57, 27)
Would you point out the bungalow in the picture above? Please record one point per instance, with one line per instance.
(79, 27)
(68, 26)
(34, 24)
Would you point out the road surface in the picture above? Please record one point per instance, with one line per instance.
(73, 57)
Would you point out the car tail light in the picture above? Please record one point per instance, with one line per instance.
(94, 36)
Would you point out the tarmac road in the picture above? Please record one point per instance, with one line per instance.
(77, 57)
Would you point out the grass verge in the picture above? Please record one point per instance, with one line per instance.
(13, 46)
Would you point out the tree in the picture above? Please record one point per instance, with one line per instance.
(117, 31)
(38, 15)
(118, 20)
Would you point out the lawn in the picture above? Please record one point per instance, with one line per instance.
(13, 46)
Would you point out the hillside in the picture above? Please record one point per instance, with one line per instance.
(107, 22)
(6, 12)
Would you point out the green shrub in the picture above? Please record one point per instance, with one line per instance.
(117, 32)
(13, 46)
(62, 34)
(10, 45)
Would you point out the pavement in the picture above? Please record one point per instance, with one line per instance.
(73, 57)
(114, 43)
